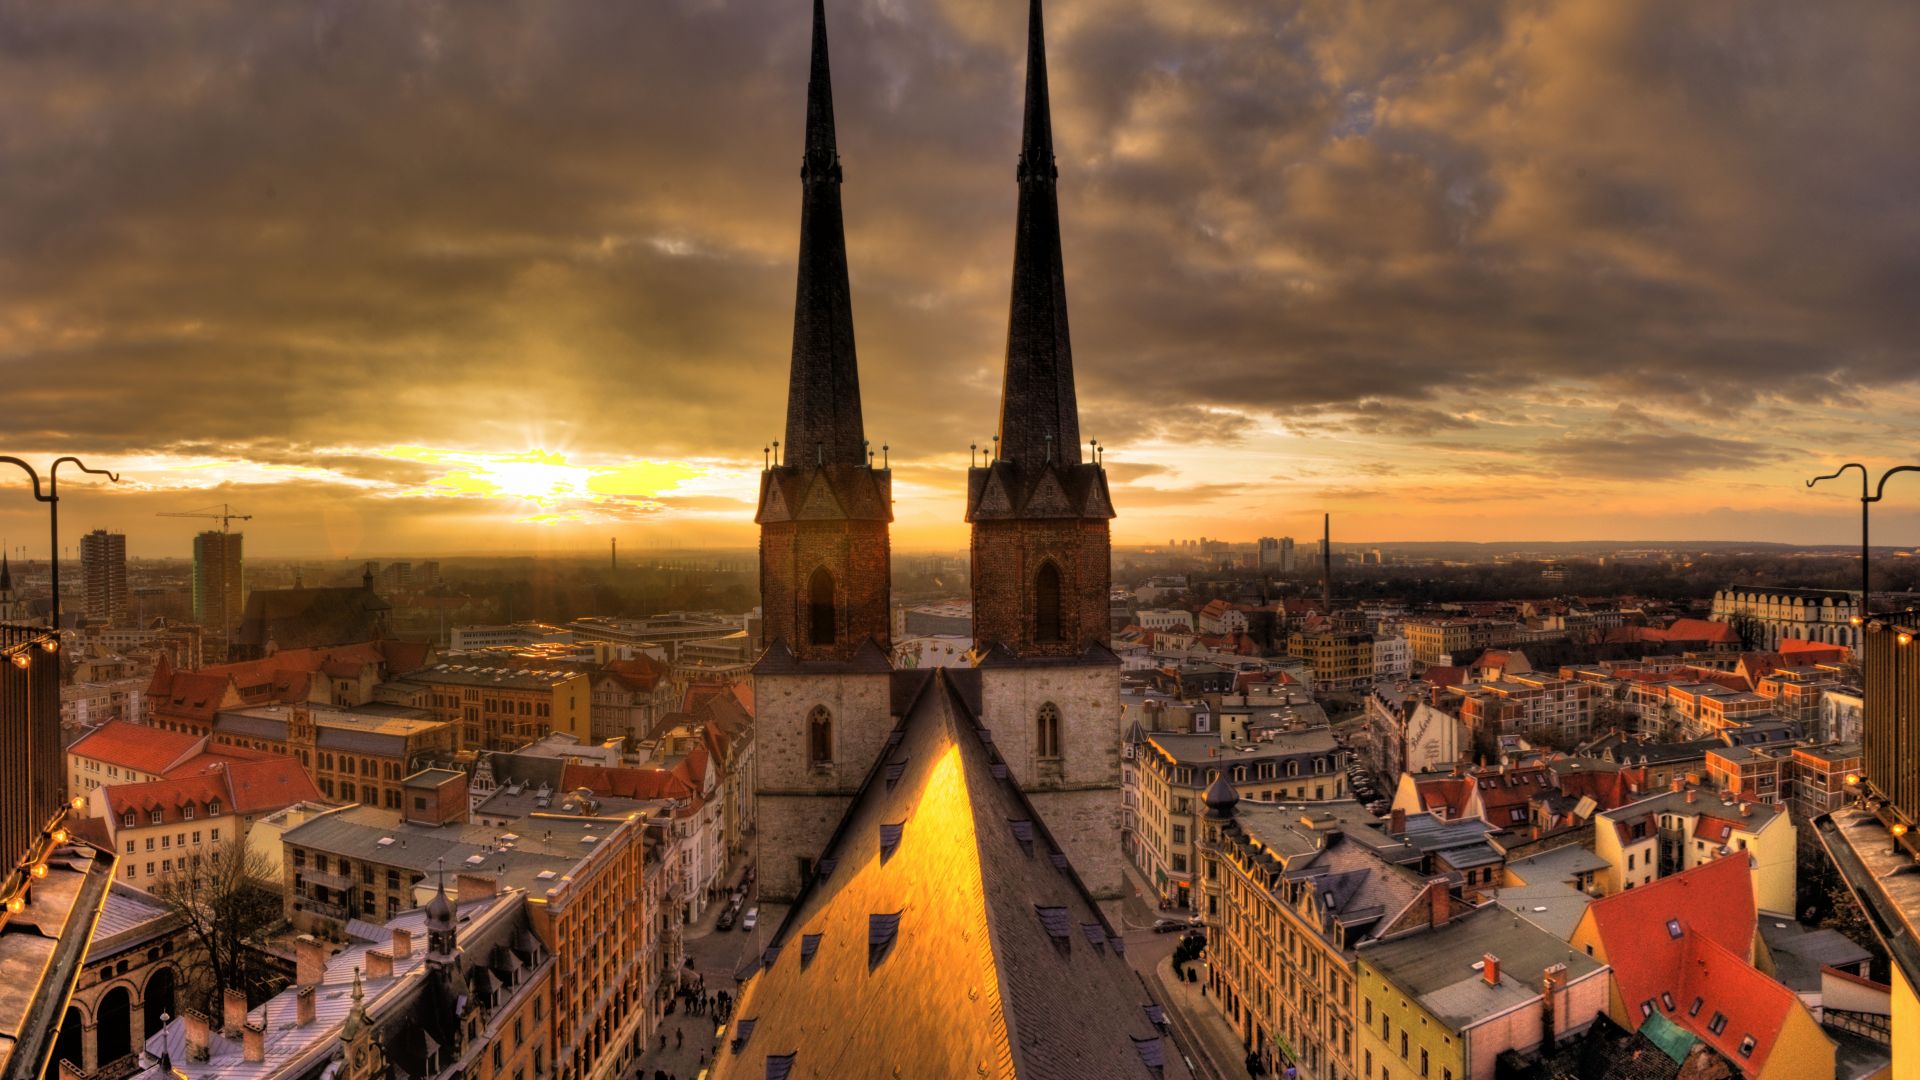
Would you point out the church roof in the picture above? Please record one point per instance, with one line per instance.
(778, 659)
(906, 956)
(304, 618)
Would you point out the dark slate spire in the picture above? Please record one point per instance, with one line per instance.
(1038, 416)
(823, 399)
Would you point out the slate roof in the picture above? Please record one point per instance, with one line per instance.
(976, 978)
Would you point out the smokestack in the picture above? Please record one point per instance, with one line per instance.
(1326, 564)
(1490, 969)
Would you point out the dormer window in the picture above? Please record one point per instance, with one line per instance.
(155, 817)
(213, 808)
(127, 819)
(186, 812)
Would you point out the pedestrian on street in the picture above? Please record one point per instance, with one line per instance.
(678, 1038)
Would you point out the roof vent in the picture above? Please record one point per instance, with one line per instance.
(825, 866)
(780, 1066)
(895, 770)
(881, 931)
(809, 944)
(767, 958)
(890, 839)
(1023, 832)
(1673, 928)
(1152, 1054)
(1156, 1014)
(1056, 923)
(1096, 936)
(999, 770)
(1059, 859)
(741, 1033)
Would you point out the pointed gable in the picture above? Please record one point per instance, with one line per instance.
(980, 969)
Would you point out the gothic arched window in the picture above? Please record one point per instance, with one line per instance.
(1046, 730)
(821, 628)
(820, 736)
(1046, 603)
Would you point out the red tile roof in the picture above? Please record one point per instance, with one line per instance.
(244, 787)
(1712, 902)
(1734, 996)
(135, 746)
(1716, 633)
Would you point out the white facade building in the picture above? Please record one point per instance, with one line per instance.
(1801, 614)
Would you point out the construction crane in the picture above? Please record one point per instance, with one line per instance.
(225, 515)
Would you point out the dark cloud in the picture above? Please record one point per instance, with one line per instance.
(300, 233)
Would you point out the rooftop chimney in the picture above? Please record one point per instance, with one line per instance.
(1690, 792)
(1441, 902)
(303, 1006)
(379, 964)
(234, 1012)
(253, 1044)
(309, 961)
(1746, 809)
(1397, 823)
(199, 1029)
(1553, 981)
(1490, 969)
(475, 887)
(402, 943)
(1678, 783)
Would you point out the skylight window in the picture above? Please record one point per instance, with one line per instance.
(1694, 1009)
(1746, 1046)
(1673, 928)
(1718, 1024)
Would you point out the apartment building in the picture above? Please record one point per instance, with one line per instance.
(359, 754)
(1547, 706)
(1340, 660)
(1173, 770)
(503, 708)
(1433, 642)
(159, 827)
(1292, 896)
(1445, 1001)
(1685, 827)
(118, 752)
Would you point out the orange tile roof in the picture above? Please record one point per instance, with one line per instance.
(268, 784)
(135, 746)
(1734, 996)
(1713, 902)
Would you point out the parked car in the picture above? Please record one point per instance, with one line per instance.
(752, 919)
(726, 920)
(1168, 926)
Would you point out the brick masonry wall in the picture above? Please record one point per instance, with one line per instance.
(1079, 796)
(856, 553)
(799, 804)
(1007, 556)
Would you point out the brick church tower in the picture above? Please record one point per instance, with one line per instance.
(821, 688)
(1040, 511)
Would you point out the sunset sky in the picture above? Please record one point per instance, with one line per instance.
(418, 278)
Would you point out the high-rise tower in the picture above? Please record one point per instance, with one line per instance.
(823, 707)
(1039, 507)
(103, 566)
(1049, 685)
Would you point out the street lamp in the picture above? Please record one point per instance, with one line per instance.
(1866, 501)
(52, 499)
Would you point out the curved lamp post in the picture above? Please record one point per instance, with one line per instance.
(52, 499)
(1866, 501)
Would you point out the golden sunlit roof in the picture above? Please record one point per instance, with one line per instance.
(977, 980)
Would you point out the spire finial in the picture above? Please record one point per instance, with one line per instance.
(823, 396)
(1039, 415)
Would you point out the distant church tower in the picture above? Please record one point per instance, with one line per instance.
(1041, 548)
(821, 689)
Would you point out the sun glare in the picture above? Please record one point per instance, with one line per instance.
(550, 488)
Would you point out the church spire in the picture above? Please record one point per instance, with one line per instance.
(1039, 418)
(823, 396)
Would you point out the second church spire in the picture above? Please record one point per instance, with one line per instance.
(823, 396)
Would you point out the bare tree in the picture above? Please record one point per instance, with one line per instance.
(228, 906)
